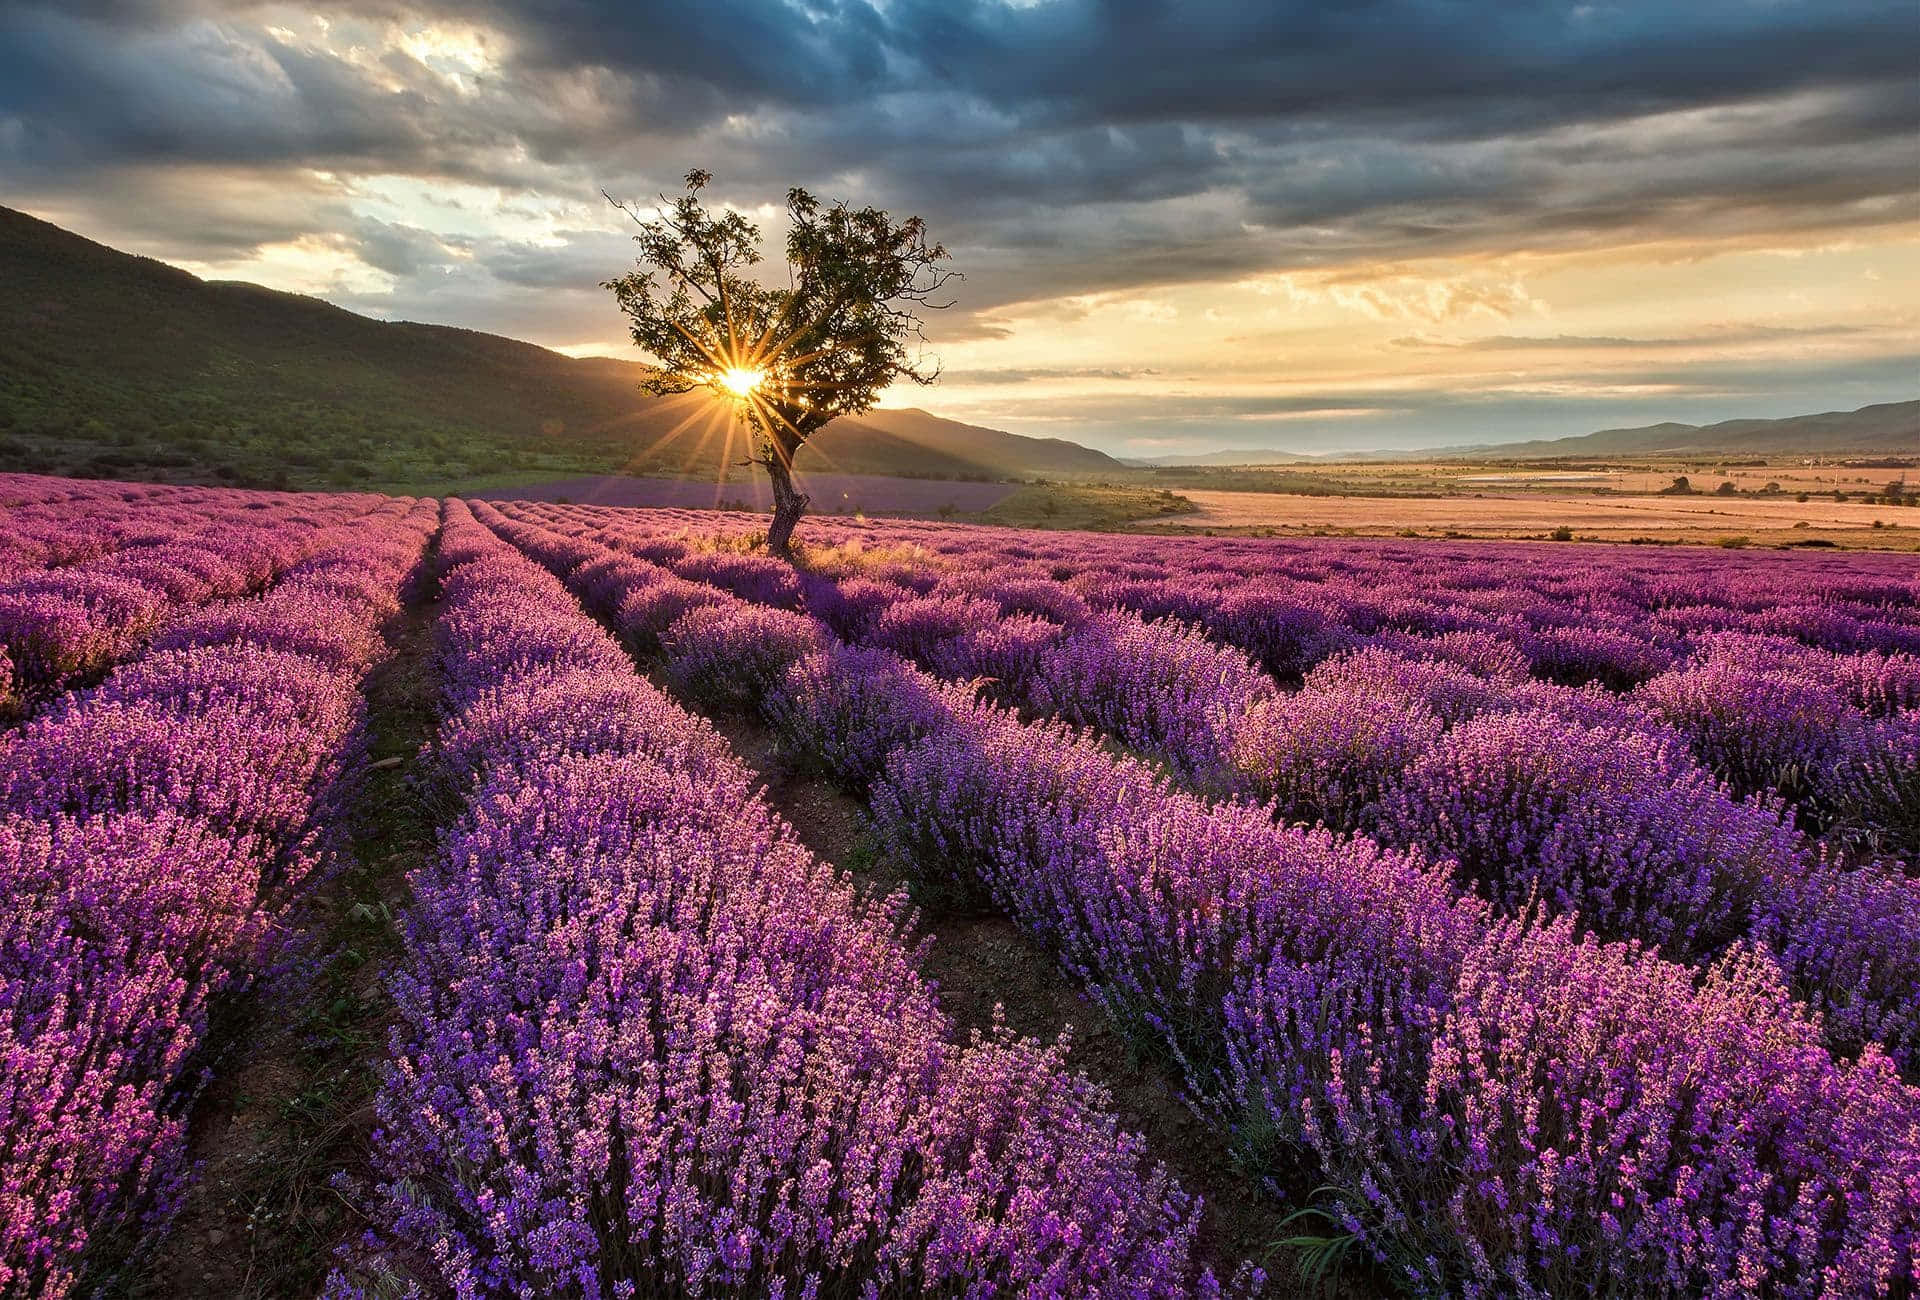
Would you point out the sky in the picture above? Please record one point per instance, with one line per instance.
(1183, 227)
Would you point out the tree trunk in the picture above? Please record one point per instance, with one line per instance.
(788, 504)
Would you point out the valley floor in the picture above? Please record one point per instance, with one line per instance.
(1704, 519)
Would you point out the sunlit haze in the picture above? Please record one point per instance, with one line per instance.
(1182, 228)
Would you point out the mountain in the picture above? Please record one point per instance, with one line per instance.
(1885, 428)
(932, 435)
(1888, 428)
(113, 364)
(1264, 457)
(905, 441)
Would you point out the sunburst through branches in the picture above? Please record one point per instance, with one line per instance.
(787, 359)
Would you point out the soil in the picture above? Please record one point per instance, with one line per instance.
(261, 1219)
(984, 965)
(987, 971)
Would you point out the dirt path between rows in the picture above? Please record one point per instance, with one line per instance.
(985, 967)
(261, 1222)
(984, 963)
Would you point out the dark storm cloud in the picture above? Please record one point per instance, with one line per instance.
(1062, 103)
(1485, 68)
(1063, 148)
(789, 54)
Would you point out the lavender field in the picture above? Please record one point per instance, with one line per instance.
(844, 494)
(1522, 920)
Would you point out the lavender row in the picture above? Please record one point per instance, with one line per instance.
(1659, 854)
(67, 622)
(1276, 594)
(649, 1044)
(1161, 688)
(1819, 640)
(1171, 705)
(1837, 634)
(1294, 604)
(157, 834)
(1586, 805)
(1828, 642)
(1538, 794)
(1505, 1108)
(39, 489)
(88, 520)
(1577, 800)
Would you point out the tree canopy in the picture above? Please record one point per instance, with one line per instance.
(845, 326)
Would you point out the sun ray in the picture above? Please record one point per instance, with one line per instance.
(817, 353)
(726, 463)
(668, 438)
(759, 351)
(766, 408)
(780, 348)
(726, 309)
(713, 358)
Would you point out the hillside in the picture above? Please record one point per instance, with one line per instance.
(1889, 428)
(932, 435)
(112, 364)
(1230, 457)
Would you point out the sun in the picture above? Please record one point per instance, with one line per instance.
(740, 381)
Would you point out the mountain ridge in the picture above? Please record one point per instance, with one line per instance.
(118, 364)
(1879, 428)
(114, 363)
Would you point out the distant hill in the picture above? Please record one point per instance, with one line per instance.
(1267, 457)
(931, 435)
(118, 365)
(1889, 428)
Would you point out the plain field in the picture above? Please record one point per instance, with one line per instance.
(1701, 518)
(835, 494)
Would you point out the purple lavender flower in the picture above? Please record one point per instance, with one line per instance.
(158, 833)
(1766, 732)
(1613, 825)
(646, 1039)
(1505, 1106)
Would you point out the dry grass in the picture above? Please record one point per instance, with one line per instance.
(1767, 520)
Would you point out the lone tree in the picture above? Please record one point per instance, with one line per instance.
(789, 359)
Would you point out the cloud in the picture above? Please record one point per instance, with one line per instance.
(1331, 132)
(404, 251)
(1748, 334)
(1027, 375)
(1408, 297)
(1398, 162)
(579, 260)
(1551, 403)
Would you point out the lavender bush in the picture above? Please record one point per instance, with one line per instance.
(648, 1042)
(157, 835)
(1505, 1105)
